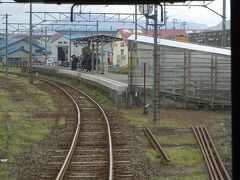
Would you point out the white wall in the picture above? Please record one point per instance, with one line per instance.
(119, 47)
(65, 43)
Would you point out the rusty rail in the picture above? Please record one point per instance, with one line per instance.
(110, 171)
(212, 159)
(158, 148)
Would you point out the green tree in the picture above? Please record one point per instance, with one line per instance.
(86, 51)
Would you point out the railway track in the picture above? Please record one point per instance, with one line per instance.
(90, 153)
(216, 169)
(86, 152)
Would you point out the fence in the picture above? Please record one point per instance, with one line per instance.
(188, 74)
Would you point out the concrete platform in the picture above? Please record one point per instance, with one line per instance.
(114, 84)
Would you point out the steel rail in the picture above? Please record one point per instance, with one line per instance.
(212, 159)
(110, 174)
(68, 158)
(156, 145)
(222, 167)
(204, 155)
(74, 141)
(215, 165)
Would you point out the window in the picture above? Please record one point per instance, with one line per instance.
(64, 42)
(22, 47)
(60, 42)
(122, 51)
(38, 51)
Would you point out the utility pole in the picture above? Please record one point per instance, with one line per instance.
(97, 50)
(6, 43)
(224, 24)
(45, 45)
(174, 21)
(156, 69)
(165, 15)
(70, 47)
(30, 46)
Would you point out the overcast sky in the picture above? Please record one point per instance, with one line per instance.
(187, 14)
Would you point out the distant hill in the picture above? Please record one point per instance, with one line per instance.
(219, 26)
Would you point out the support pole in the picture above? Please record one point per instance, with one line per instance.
(70, 47)
(156, 71)
(144, 89)
(97, 50)
(6, 45)
(30, 47)
(92, 55)
(102, 58)
(45, 45)
(224, 24)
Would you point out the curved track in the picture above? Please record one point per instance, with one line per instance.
(86, 150)
(90, 154)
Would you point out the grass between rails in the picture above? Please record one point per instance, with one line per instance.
(20, 104)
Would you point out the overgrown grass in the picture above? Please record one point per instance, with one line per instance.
(184, 156)
(21, 106)
(119, 70)
(175, 140)
(152, 155)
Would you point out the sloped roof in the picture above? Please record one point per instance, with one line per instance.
(126, 33)
(168, 32)
(13, 50)
(183, 45)
(55, 37)
(164, 33)
(16, 40)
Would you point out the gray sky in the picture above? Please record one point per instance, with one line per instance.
(187, 14)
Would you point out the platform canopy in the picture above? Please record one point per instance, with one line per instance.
(97, 39)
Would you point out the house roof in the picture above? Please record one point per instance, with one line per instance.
(13, 41)
(183, 45)
(97, 38)
(164, 33)
(55, 37)
(13, 50)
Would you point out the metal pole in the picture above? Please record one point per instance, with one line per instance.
(45, 45)
(165, 16)
(144, 89)
(92, 55)
(102, 70)
(70, 47)
(97, 51)
(30, 47)
(156, 70)
(224, 24)
(6, 45)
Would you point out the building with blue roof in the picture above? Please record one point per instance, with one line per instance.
(18, 49)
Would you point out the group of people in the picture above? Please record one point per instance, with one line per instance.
(85, 63)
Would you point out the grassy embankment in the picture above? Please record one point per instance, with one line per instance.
(20, 127)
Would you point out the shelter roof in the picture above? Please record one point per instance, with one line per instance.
(183, 45)
(97, 38)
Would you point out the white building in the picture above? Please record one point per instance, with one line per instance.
(60, 47)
